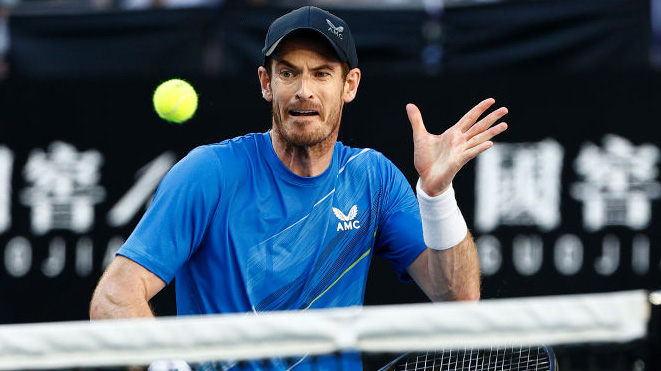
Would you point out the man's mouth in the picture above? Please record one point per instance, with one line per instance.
(298, 112)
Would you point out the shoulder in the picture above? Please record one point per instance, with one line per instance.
(362, 158)
(208, 163)
(227, 147)
(374, 166)
(226, 154)
(347, 154)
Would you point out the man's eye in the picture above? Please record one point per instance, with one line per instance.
(322, 74)
(286, 74)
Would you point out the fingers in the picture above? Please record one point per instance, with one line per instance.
(482, 142)
(479, 134)
(486, 122)
(486, 135)
(471, 153)
(415, 117)
(476, 133)
(471, 116)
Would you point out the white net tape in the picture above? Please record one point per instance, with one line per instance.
(611, 317)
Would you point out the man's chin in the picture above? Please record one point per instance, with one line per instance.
(301, 134)
(298, 140)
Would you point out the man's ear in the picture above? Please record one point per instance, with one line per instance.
(265, 84)
(351, 85)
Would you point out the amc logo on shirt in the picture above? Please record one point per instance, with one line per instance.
(347, 222)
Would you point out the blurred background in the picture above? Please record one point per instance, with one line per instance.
(566, 202)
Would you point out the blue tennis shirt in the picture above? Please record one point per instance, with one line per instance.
(242, 233)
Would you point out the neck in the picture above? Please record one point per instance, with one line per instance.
(305, 161)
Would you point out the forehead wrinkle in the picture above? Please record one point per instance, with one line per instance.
(319, 67)
(286, 63)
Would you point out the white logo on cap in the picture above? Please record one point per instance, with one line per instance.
(336, 30)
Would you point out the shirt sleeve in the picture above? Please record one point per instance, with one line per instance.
(175, 222)
(399, 236)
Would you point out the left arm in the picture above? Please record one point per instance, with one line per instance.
(448, 269)
(452, 274)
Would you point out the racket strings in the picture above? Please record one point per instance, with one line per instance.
(513, 359)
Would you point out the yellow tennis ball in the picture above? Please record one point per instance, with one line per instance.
(175, 101)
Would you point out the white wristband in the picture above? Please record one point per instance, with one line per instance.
(443, 226)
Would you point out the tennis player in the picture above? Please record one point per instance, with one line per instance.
(289, 219)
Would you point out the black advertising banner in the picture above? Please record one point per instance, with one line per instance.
(567, 201)
(223, 41)
(548, 34)
(80, 162)
(227, 40)
(118, 44)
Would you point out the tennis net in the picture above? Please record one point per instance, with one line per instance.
(498, 334)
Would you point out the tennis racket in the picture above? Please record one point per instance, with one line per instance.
(512, 358)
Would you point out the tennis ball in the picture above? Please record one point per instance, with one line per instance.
(175, 101)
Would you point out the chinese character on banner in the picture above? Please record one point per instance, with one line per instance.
(142, 191)
(619, 183)
(6, 165)
(519, 184)
(64, 188)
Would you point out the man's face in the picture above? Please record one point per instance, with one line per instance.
(307, 91)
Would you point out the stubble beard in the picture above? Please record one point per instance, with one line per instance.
(307, 139)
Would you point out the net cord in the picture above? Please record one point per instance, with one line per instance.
(606, 317)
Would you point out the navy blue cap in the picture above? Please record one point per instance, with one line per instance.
(335, 29)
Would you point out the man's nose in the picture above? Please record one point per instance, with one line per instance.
(304, 92)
